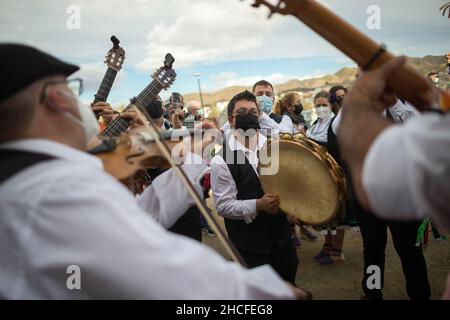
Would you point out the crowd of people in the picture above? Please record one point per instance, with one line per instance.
(58, 207)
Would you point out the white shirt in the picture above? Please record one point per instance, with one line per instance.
(286, 125)
(70, 212)
(224, 188)
(268, 126)
(406, 173)
(319, 130)
(400, 112)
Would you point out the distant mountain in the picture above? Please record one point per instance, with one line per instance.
(344, 76)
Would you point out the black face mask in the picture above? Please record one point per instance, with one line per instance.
(298, 108)
(247, 121)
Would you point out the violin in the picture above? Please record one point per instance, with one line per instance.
(146, 147)
(124, 156)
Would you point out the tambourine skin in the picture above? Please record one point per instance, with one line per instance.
(310, 184)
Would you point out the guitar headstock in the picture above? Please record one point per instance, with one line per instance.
(283, 7)
(115, 55)
(166, 75)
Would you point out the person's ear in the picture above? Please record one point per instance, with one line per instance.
(230, 121)
(56, 99)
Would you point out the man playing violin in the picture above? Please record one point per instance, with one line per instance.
(60, 209)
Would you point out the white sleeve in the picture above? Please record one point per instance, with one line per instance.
(226, 126)
(167, 199)
(337, 122)
(286, 125)
(225, 194)
(406, 173)
(402, 112)
(268, 126)
(124, 254)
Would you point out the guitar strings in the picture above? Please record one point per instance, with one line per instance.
(121, 125)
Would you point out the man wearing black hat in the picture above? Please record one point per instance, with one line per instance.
(70, 230)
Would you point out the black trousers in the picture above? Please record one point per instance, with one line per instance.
(283, 259)
(374, 234)
(189, 224)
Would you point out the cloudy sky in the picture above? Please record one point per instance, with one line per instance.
(227, 41)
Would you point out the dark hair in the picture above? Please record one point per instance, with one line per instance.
(262, 83)
(154, 109)
(242, 96)
(176, 97)
(333, 91)
(432, 73)
(321, 94)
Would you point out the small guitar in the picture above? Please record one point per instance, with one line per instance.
(162, 79)
(114, 61)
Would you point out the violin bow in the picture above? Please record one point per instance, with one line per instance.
(228, 245)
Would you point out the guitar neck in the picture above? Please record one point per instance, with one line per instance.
(120, 125)
(407, 82)
(105, 87)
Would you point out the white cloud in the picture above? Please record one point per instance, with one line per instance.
(226, 79)
(92, 75)
(208, 31)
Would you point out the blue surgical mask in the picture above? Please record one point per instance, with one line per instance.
(265, 103)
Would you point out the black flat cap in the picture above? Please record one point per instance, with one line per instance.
(22, 65)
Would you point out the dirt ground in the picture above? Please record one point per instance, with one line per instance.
(342, 280)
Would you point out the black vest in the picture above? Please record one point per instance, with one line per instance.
(276, 117)
(266, 230)
(14, 161)
(189, 224)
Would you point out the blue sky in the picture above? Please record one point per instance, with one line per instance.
(227, 41)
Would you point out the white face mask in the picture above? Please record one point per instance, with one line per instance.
(88, 120)
(323, 112)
